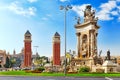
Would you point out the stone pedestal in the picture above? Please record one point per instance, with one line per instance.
(91, 63)
(109, 66)
(71, 70)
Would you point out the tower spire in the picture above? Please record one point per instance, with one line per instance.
(27, 49)
(56, 49)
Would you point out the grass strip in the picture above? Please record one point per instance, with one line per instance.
(23, 73)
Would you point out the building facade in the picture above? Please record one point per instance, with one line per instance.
(3, 56)
(18, 58)
(56, 49)
(27, 50)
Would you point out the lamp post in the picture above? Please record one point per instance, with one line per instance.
(65, 8)
(36, 48)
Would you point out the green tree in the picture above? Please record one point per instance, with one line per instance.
(12, 61)
(37, 62)
(8, 63)
(41, 61)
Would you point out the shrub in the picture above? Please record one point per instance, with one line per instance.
(84, 69)
(40, 69)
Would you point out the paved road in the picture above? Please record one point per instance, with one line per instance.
(53, 78)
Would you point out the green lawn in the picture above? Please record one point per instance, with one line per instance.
(23, 73)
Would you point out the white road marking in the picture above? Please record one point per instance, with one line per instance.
(108, 78)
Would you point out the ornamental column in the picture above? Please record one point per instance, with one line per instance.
(95, 42)
(78, 43)
(92, 43)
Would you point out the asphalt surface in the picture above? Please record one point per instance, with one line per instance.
(54, 78)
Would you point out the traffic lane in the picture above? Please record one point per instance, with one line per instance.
(53, 78)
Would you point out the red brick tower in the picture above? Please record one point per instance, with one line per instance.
(56, 49)
(27, 49)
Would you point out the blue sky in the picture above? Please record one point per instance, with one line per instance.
(43, 18)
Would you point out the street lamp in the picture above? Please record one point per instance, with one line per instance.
(65, 8)
(36, 48)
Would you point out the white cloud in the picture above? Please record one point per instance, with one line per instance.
(118, 8)
(119, 18)
(31, 1)
(114, 13)
(49, 15)
(18, 9)
(79, 9)
(118, 0)
(109, 10)
(45, 18)
(105, 12)
(63, 0)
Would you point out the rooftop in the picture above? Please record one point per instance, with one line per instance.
(56, 34)
(27, 33)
